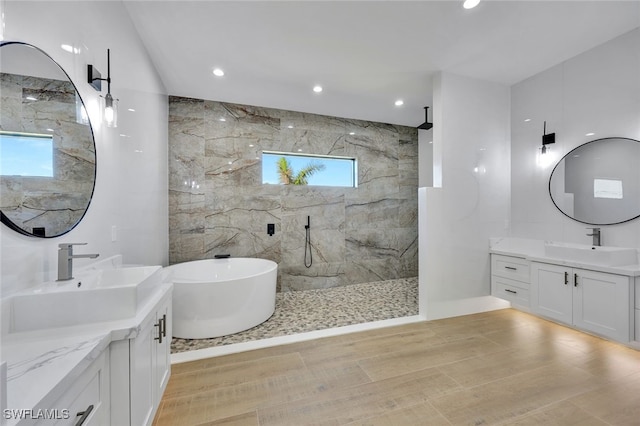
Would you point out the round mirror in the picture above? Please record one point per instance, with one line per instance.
(47, 150)
(599, 182)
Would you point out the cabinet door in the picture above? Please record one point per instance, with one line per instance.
(602, 304)
(163, 351)
(142, 364)
(551, 291)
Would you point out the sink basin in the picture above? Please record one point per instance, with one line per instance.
(93, 296)
(603, 256)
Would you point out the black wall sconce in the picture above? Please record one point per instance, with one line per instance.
(426, 125)
(547, 139)
(109, 105)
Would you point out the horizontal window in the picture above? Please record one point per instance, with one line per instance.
(284, 168)
(26, 154)
(607, 188)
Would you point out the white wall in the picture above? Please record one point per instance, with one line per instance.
(469, 202)
(131, 186)
(597, 91)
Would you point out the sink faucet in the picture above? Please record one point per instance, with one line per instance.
(65, 260)
(595, 235)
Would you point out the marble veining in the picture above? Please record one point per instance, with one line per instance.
(34, 363)
(218, 204)
(42, 364)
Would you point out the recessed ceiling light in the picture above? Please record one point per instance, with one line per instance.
(31, 98)
(131, 109)
(399, 102)
(299, 149)
(526, 120)
(223, 119)
(590, 134)
(289, 127)
(352, 133)
(470, 4)
(218, 72)
(50, 130)
(317, 88)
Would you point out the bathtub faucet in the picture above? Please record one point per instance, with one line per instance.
(65, 260)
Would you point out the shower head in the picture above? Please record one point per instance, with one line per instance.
(426, 125)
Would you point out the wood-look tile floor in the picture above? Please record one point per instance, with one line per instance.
(496, 368)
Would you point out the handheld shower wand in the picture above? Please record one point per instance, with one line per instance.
(307, 243)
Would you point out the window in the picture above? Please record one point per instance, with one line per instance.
(305, 169)
(26, 154)
(607, 188)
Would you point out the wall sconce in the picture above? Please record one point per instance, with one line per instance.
(545, 157)
(109, 104)
(547, 139)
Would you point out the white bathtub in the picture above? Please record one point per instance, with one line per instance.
(216, 297)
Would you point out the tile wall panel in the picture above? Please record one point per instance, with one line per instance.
(218, 203)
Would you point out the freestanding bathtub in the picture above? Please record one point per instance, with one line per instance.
(216, 297)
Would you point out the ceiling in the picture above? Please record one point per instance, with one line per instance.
(365, 54)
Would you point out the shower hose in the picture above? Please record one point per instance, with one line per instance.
(307, 244)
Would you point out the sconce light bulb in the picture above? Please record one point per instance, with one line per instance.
(110, 112)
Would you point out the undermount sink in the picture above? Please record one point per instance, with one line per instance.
(596, 255)
(93, 296)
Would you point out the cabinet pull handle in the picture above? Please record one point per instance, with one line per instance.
(164, 325)
(511, 268)
(566, 278)
(159, 325)
(510, 291)
(84, 414)
(575, 280)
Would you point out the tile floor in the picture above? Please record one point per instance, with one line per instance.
(310, 310)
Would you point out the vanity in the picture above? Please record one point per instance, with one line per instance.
(97, 355)
(91, 348)
(593, 289)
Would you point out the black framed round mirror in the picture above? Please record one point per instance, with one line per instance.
(47, 147)
(598, 183)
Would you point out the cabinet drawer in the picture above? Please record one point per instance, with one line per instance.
(88, 390)
(503, 289)
(510, 267)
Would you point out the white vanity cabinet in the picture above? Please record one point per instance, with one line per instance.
(85, 402)
(637, 304)
(593, 301)
(143, 369)
(510, 280)
(150, 365)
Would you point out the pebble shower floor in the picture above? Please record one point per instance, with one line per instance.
(310, 310)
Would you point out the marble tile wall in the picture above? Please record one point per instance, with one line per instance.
(218, 204)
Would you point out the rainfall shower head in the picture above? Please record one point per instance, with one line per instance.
(426, 125)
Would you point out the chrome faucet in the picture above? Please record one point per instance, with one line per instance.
(65, 260)
(595, 235)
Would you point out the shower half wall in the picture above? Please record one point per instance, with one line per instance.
(218, 204)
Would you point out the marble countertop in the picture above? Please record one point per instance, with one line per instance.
(533, 250)
(42, 364)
